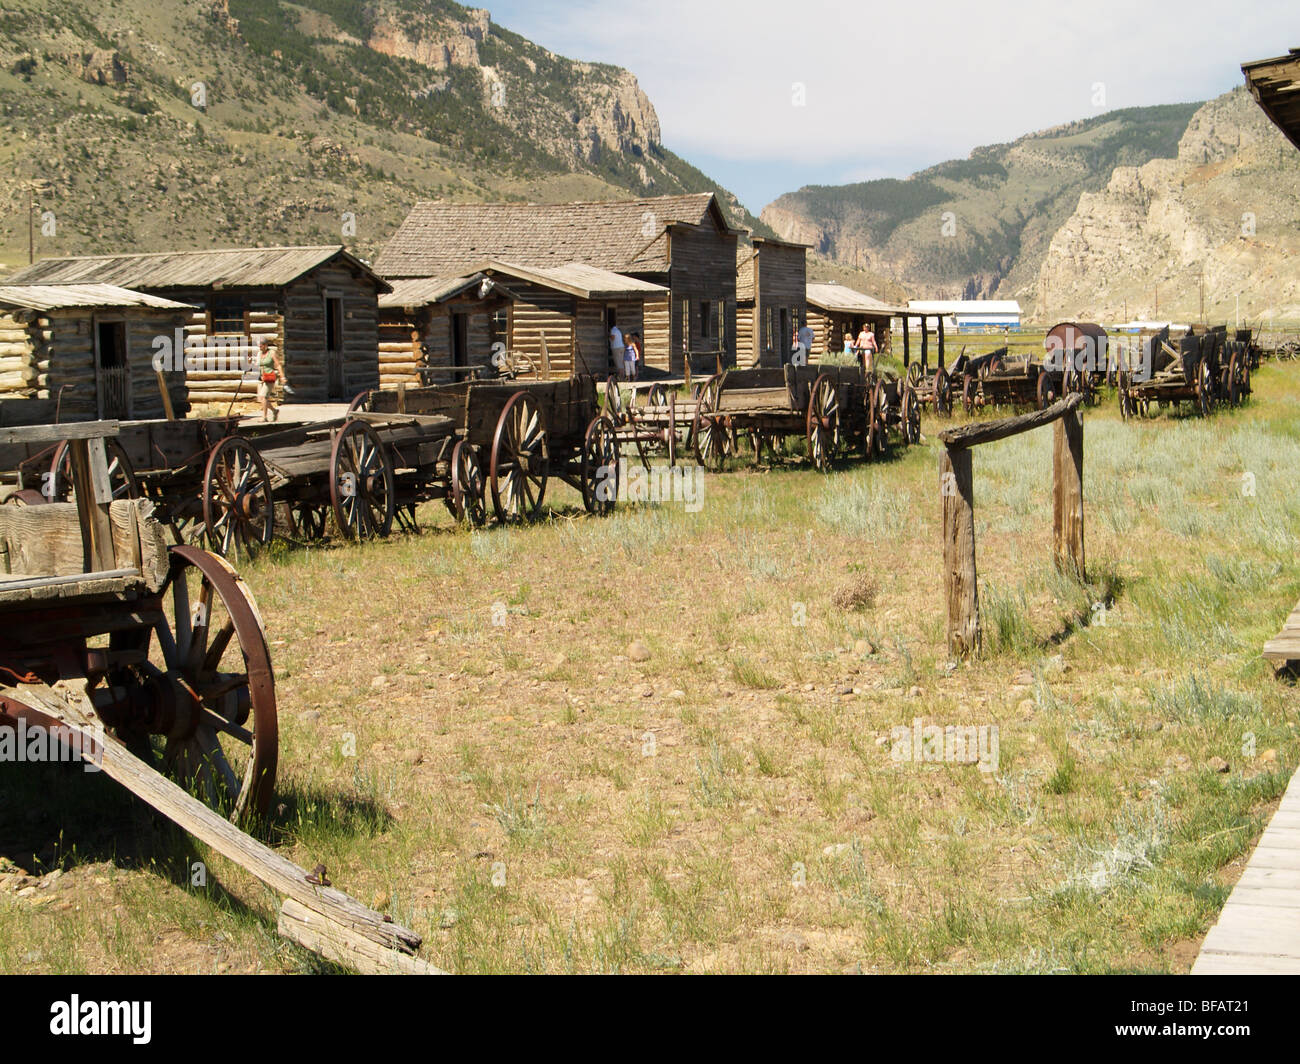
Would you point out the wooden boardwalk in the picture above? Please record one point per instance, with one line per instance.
(1284, 647)
(1259, 929)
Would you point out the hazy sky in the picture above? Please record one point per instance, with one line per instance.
(891, 88)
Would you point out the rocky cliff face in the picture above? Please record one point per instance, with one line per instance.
(1227, 210)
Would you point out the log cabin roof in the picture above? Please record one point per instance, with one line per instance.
(1275, 84)
(572, 278)
(841, 299)
(71, 296)
(626, 236)
(270, 267)
(422, 291)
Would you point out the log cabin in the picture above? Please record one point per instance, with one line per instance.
(771, 282)
(318, 304)
(85, 352)
(683, 244)
(555, 319)
(834, 309)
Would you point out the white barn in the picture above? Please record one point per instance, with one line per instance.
(970, 313)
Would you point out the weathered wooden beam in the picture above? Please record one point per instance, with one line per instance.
(343, 922)
(1067, 495)
(956, 491)
(94, 496)
(976, 432)
(84, 430)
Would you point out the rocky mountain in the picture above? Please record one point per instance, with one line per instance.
(147, 124)
(981, 226)
(1223, 217)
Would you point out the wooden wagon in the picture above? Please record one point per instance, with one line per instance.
(150, 663)
(1000, 379)
(520, 434)
(827, 405)
(1203, 370)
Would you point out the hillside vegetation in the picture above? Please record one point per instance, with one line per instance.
(1001, 206)
(194, 123)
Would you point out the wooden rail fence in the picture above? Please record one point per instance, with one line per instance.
(956, 490)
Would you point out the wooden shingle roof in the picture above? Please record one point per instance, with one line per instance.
(625, 236)
(72, 296)
(270, 267)
(1275, 84)
(841, 299)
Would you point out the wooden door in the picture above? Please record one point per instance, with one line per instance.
(112, 376)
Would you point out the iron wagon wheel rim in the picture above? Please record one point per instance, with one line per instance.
(600, 466)
(359, 401)
(238, 505)
(1043, 390)
(710, 440)
(614, 400)
(914, 374)
(361, 483)
(911, 416)
(968, 386)
(942, 393)
(308, 520)
(121, 474)
(1204, 388)
(822, 422)
(657, 396)
(26, 497)
(468, 492)
(1234, 380)
(520, 460)
(194, 653)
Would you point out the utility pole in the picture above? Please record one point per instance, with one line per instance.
(1202, 295)
(31, 225)
(1156, 315)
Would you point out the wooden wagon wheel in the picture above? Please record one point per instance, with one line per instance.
(822, 422)
(878, 420)
(520, 460)
(361, 483)
(911, 416)
(942, 393)
(1127, 407)
(657, 396)
(914, 374)
(1204, 388)
(238, 507)
(600, 466)
(710, 452)
(58, 486)
(615, 408)
(969, 388)
(1044, 391)
(222, 742)
(308, 520)
(360, 401)
(1235, 392)
(467, 498)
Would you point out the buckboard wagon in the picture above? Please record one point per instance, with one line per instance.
(1000, 379)
(151, 662)
(222, 480)
(1204, 370)
(519, 435)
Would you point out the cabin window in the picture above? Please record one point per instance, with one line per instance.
(333, 324)
(707, 320)
(227, 315)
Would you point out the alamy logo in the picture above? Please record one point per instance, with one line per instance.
(37, 744)
(962, 744)
(77, 1017)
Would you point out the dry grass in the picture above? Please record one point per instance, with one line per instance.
(731, 804)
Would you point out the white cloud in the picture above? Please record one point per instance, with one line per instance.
(914, 81)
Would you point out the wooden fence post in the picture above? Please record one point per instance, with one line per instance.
(956, 489)
(1067, 495)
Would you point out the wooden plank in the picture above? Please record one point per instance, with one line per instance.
(1067, 495)
(977, 432)
(956, 490)
(334, 942)
(71, 707)
(94, 493)
(82, 430)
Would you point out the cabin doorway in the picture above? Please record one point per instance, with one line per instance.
(111, 374)
(334, 348)
(460, 339)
